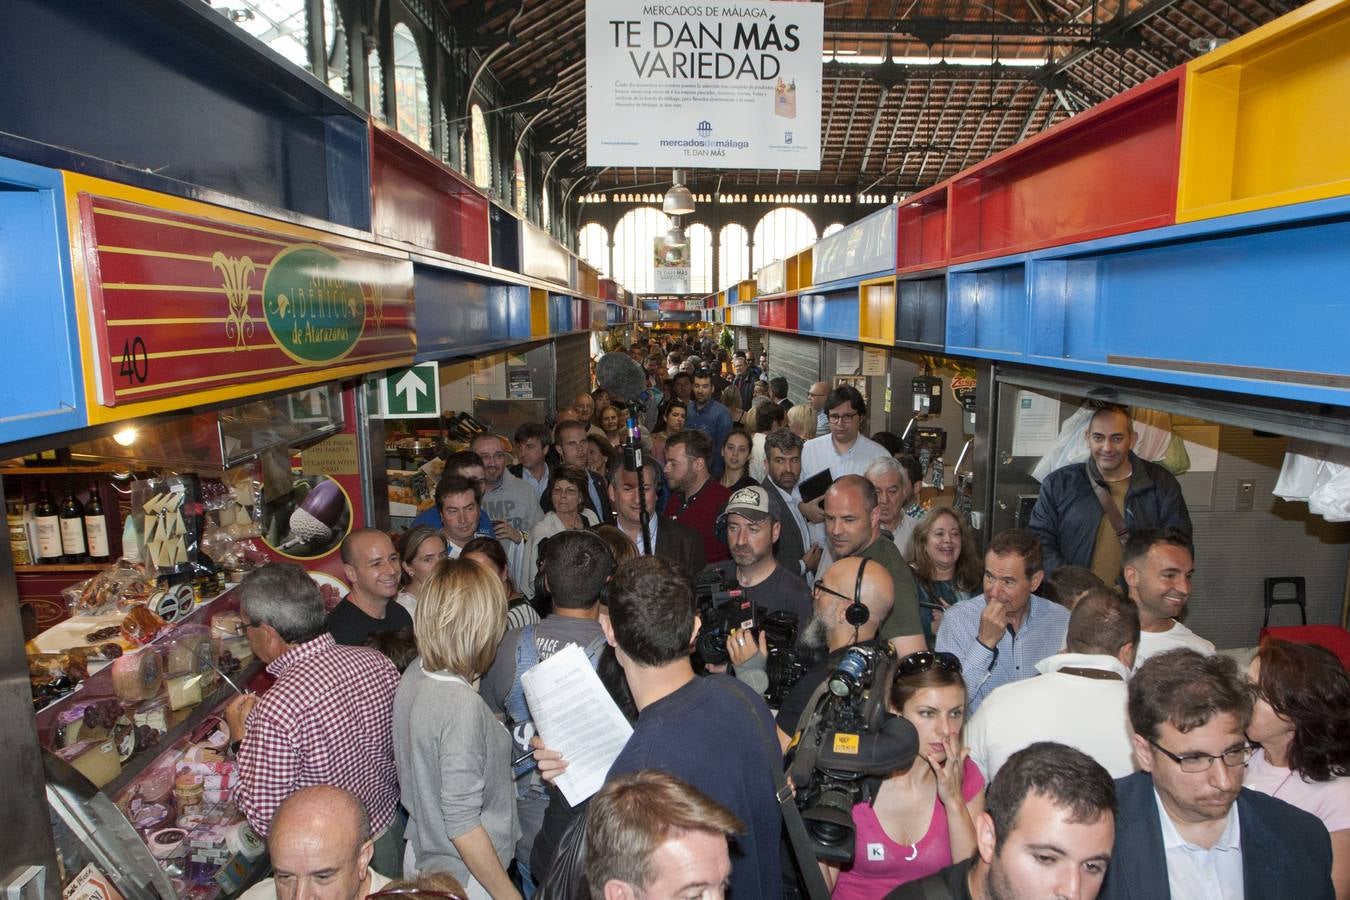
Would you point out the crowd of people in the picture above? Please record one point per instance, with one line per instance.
(1066, 735)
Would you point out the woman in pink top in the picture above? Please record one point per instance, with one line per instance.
(1301, 720)
(923, 819)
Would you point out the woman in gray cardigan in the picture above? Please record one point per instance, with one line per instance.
(453, 756)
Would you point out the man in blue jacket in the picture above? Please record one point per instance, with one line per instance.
(1186, 827)
(1071, 517)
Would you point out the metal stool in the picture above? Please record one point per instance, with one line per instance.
(1300, 595)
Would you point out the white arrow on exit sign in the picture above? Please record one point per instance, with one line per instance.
(412, 393)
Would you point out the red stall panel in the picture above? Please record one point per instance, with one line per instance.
(418, 200)
(1110, 170)
(921, 230)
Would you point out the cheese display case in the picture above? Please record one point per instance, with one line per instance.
(139, 778)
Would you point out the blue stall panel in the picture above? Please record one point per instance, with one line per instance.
(1257, 303)
(41, 378)
(457, 314)
(987, 309)
(830, 310)
(559, 313)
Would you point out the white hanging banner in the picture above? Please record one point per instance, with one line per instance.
(670, 267)
(704, 85)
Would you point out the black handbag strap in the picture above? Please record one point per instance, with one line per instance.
(1109, 507)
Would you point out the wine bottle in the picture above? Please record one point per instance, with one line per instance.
(48, 526)
(71, 513)
(96, 526)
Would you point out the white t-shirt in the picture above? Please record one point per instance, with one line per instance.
(1086, 713)
(819, 454)
(1152, 643)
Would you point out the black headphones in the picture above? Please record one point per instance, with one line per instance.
(857, 614)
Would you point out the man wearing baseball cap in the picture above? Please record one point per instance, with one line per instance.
(751, 530)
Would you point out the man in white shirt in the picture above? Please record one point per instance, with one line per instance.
(1159, 564)
(321, 847)
(532, 440)
(1079, 698)
(1185, 826)
(816, 397)
(844, 451)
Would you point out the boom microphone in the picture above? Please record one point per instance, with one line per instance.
(618, 374)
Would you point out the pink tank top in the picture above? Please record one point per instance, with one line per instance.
(879, 863)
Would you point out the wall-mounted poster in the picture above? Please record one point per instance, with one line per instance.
(704, 85)
(670, 267)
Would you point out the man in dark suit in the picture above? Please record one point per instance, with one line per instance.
(1186, 828)
(778, 391)
(569, 438)
(783, 467)
(669, 538)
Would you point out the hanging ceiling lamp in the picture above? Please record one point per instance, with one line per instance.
(678, 200)
(675, 236)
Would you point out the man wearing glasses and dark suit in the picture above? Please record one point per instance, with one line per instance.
(1186, 828)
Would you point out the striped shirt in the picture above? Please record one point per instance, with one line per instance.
(328, 719)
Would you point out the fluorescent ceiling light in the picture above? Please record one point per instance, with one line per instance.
(853, 59)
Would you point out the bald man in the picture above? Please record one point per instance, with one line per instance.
(321, 848)
(829, 628)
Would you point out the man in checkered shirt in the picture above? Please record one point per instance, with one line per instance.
(328, 719)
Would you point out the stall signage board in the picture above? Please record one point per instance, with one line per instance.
(412, 393)
(182, 304)
(712, 85)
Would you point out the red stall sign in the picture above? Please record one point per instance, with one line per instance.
(183, 304)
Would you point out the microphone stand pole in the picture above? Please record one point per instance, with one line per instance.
(632, 458)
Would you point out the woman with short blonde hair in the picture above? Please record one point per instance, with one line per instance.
(801, 421)
(453, 756)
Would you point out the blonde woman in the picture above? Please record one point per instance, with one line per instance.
(801, 421)
(453, 756)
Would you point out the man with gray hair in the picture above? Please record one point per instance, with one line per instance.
(328, 719)
(895, 493)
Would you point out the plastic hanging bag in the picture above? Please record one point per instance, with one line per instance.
(1298, 475)
(1330, 496)
(1069, 447)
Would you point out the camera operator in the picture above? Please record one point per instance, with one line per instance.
(752, 530)
(834, 594)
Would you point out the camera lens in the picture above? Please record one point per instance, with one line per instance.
(848, 674)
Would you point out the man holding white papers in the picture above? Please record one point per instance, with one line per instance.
(713, 732)
(576, 565)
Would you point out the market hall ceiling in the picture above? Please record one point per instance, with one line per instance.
(963, 79)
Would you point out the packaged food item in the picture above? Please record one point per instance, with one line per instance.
(184, 691)
(95, 760)
(170, 511)
(189, 653)
(117, 588)
(225, 625)
(168, 843)
(187, 792)
(137, 676)
(141, 626)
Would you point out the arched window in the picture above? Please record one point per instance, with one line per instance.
(375, 84)
(832, 228)
(482, 153)
(733, 256)
(282, 25)
(410, 89)
(335, 49)
(521, 197)
(700, 258)
(633, 245)
(593, 246)
(781, 233)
